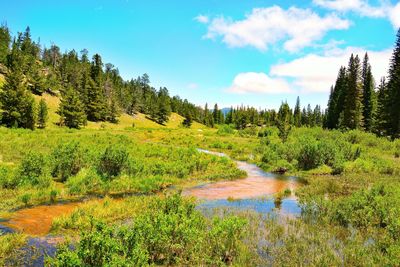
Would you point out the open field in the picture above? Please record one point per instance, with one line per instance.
(340, 170)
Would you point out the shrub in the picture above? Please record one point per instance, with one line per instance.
(8, 179)
(264, 132)
(67, 160)
(310, 155)
(86, 181)
(53, 195)
(225, 239)
(225, 130)
(25, 198)
(33, 170)
(169, 232)
(112, 161)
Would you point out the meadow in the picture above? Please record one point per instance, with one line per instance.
(133, 214)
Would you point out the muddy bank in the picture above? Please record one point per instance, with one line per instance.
(37, 221)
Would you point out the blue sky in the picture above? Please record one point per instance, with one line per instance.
(231, 52)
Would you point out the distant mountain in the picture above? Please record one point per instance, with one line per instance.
(225, 111)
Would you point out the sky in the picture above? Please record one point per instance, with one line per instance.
(231, 52)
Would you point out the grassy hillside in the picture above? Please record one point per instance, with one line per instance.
(125, 121)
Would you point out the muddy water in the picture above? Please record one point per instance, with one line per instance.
(257, 184)
(253, 192)
(37, 220)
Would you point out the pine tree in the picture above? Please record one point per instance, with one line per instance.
(216, 114)
(42, 114)
(310, 116)
(164, 106)
(297, 113)
(5, 39)
(318, 118)
(96, 109)
(284, 121)
(229, 116)
(17, 102)
(382, 114)
(71, 109)
(368, 94)
(336, 100)
(393, 87)
(187, 122)
(304, 118)
(352, 117)
(114, 111)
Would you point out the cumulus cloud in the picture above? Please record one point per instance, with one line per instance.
(360, 6)
(384, 10)
(316, 73)
(394, 15)
(202, 19)
(295, 27)
(252, 82)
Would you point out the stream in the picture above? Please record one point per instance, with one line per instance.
(255, 192)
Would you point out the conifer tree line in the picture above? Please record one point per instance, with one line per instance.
(357, 102)
(242, 117)
(88, 88)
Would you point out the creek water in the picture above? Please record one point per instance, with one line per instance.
(251, 193)
(254, 192)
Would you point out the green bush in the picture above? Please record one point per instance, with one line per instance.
(310, 155)
(112, 161)
(169, 232)
(225, 130)
(8, 179)
(86, 181)
(33, 170)
(67, 159)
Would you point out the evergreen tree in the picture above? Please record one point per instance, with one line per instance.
(393, 90)
(368, 94)
(382, 117)
(5, 39)
(164, 106)
(284, 121)
(297, 113)
(310, 116)
(96, 109)
(187, 122)
(216, 114)
(304, 118)
(114, 111)
(229, 116)
(42, 114)
(16, 101)
(71, 109)
(352, 117)
(318, 118)
(336, 100)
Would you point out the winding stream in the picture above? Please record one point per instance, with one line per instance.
(253, 192)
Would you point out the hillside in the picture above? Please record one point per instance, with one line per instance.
(125, 121)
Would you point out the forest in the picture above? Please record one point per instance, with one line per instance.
(114, 163)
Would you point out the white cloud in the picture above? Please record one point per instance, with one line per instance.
(316, 73)
(263, 27)
(252, 82)
(202, 19)
(384, 10)
(394, 15)
(360, 6)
